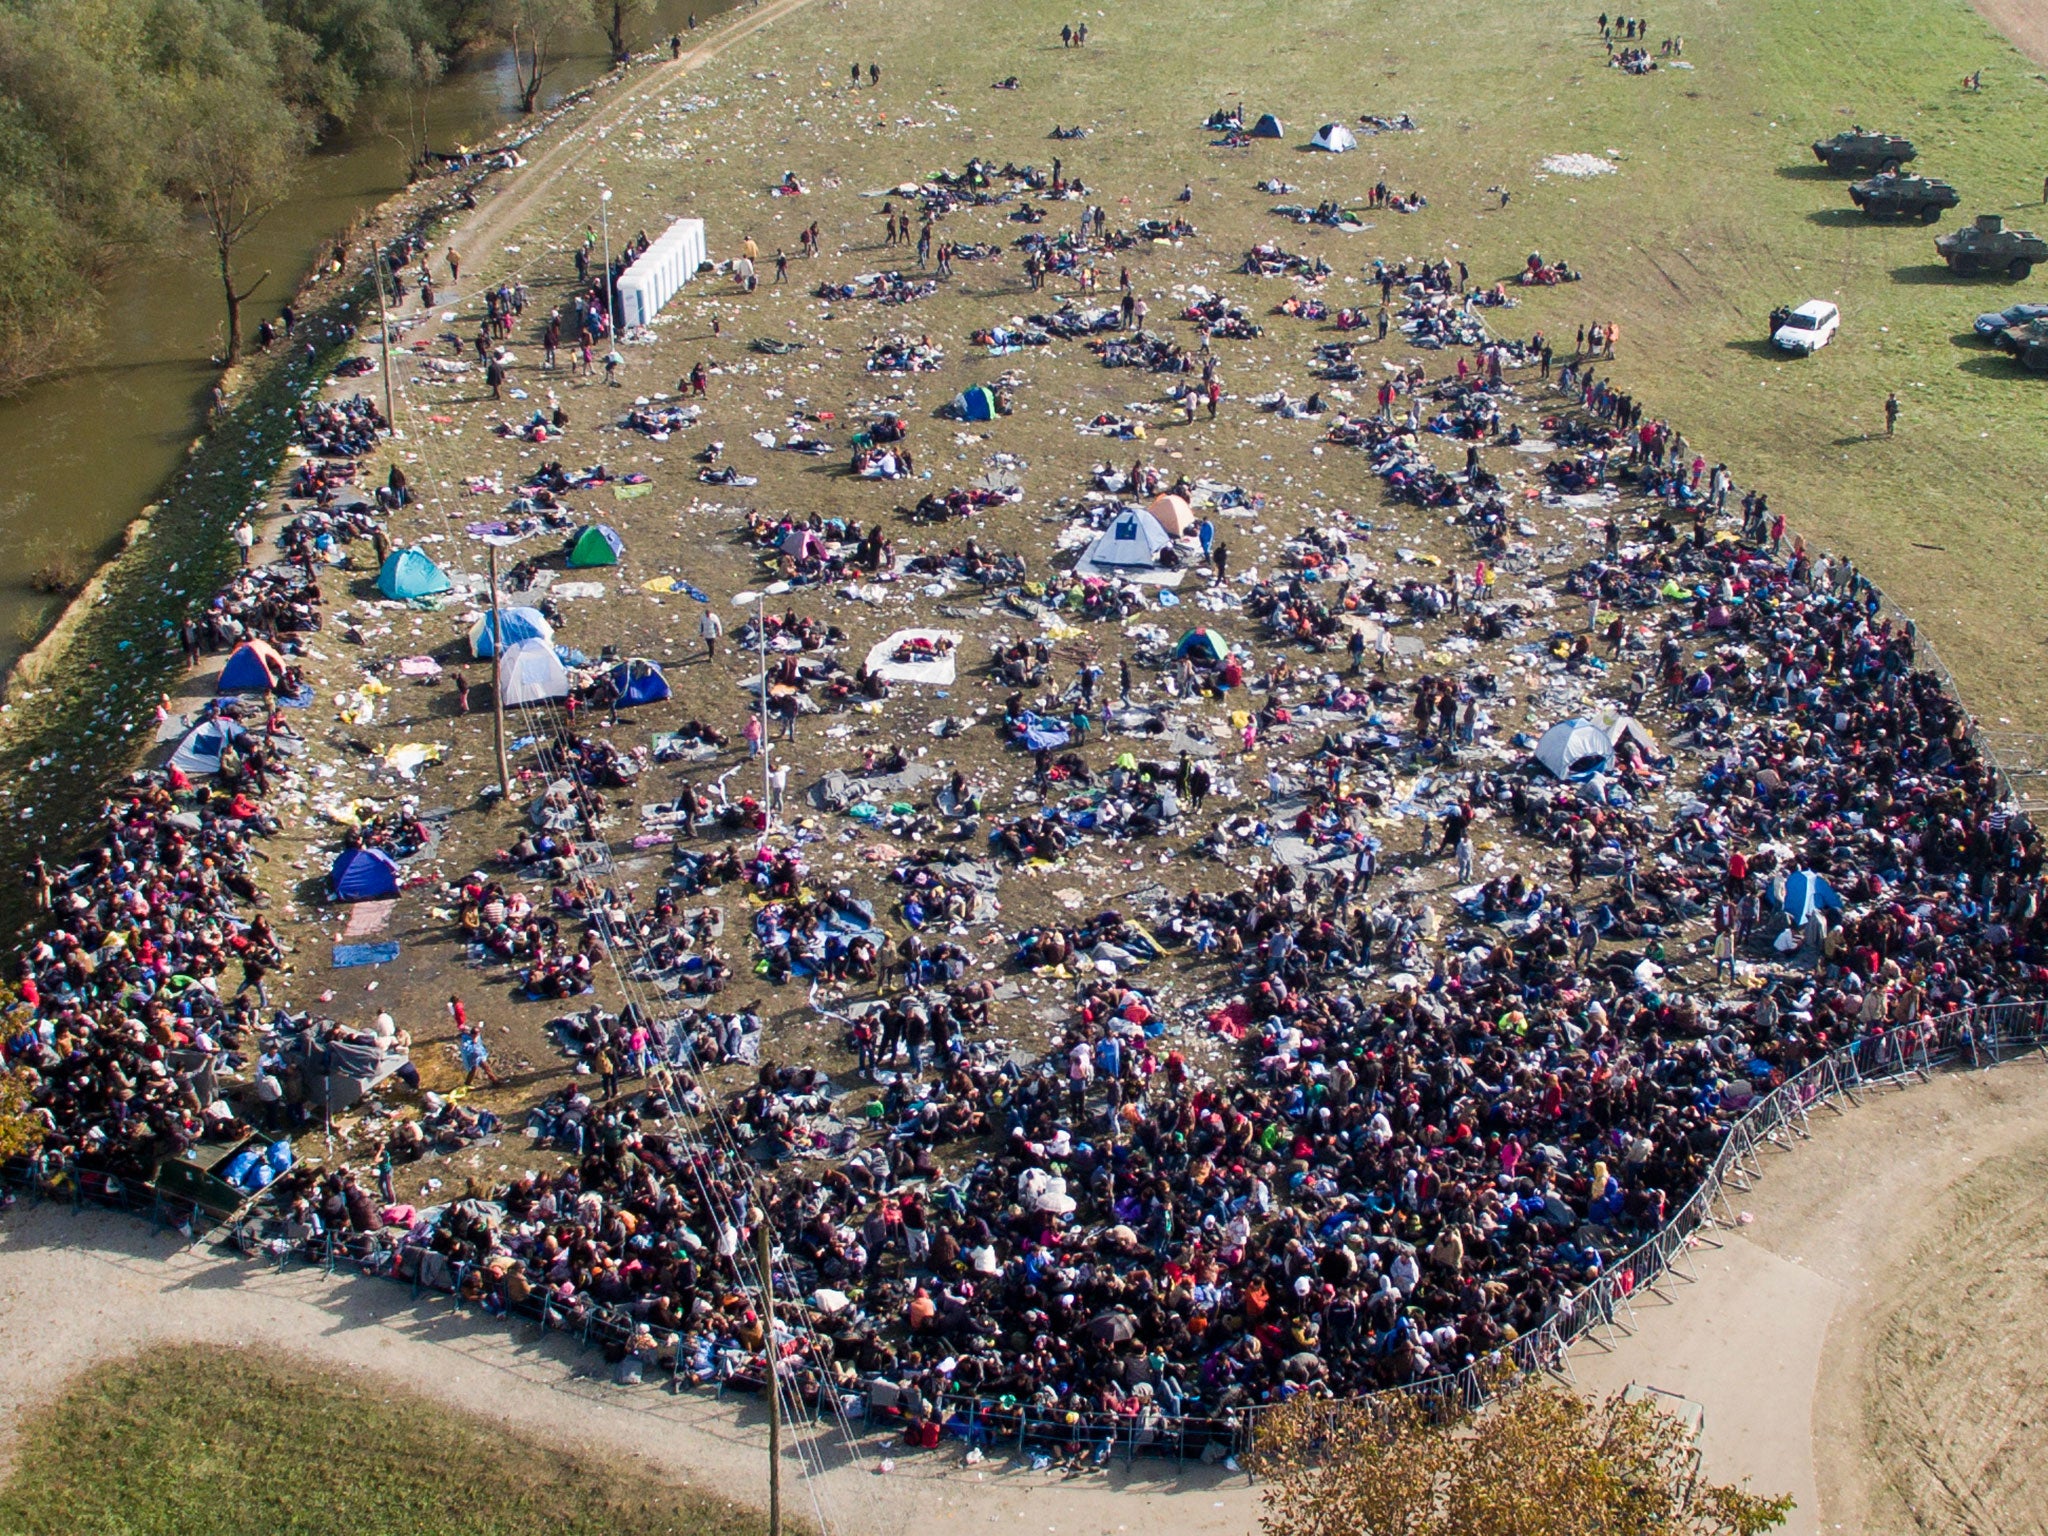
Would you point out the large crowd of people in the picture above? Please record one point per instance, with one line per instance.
(1435, 1132)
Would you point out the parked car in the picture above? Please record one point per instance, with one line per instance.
(1807, 328)
(1989, 325)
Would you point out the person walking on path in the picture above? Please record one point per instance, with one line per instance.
(1891, 414)
(454, 265)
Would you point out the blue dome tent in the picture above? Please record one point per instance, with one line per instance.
(639, 681)
(515, 624)
(362, 874)
(199, 752)
(411, 573)
(1807, 893)
(254, 667)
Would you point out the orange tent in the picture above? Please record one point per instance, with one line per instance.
(1173, 513)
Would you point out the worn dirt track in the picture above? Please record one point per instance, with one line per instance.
(494, 219)
(124, 1289)
(2024, 24)
(1870, 1342)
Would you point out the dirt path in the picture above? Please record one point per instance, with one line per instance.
(77, 1289)
(495, 219)
(2024, 24)
(1870, 1342)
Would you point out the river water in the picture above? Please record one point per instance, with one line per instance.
(83, 452)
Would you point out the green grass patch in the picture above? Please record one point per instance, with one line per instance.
(220, 1442)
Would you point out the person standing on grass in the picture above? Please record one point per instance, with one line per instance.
(476, 1058)
(709, 628)
(1891, 414)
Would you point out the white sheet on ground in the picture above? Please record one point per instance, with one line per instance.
(940, 671)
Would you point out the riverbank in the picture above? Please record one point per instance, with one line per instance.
(82, 451)
(75, 707)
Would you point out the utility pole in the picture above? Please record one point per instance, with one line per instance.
(384, 337)
(766, 1241)
(611, 307)
(497, 634)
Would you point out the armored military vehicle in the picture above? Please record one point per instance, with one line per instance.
(2029, 344)
(1903, 197)
(1861, 150)
(1988, 246)
(2017, 338)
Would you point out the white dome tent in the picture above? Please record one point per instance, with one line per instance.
(1334, 137)
(531, 673)
(1129, 549)
(1574, 749)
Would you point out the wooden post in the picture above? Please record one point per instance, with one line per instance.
(384, 337)
(497, 634)
(766, 1241)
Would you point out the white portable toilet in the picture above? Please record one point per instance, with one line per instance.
(664, 267)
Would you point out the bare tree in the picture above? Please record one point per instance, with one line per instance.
(612, 16)
(533, 30)
(233, 156)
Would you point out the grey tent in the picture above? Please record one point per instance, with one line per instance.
(1334, 137)
(1268, 127)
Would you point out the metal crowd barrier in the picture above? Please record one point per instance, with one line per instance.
(1980, 1036)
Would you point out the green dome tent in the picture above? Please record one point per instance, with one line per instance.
(975, 404)
(599, 544)
(411, 573)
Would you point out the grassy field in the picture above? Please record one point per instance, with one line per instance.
(1718, 212)
(180, 1442)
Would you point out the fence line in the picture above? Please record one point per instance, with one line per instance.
(1982, 1036)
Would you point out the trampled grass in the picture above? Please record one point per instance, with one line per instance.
(217, 1442)
(1716, 213)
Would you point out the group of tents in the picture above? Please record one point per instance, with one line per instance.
(411, 574)
(1136, 535)
(1332, 137)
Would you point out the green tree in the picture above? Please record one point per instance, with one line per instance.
(233, 158)
(21, 1129)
